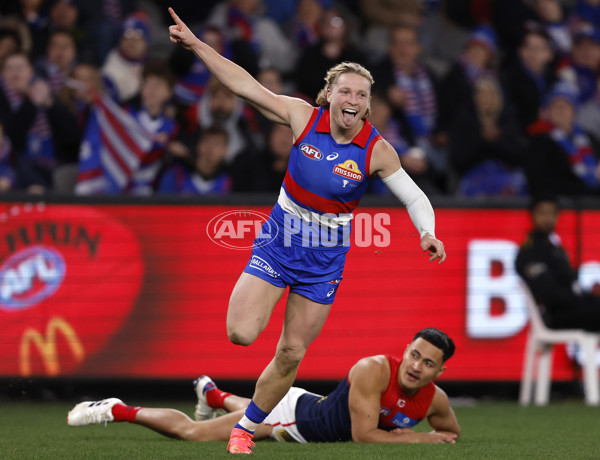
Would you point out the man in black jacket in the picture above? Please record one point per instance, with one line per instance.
(544, 266)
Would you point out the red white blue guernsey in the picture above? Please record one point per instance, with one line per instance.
(326, 180)
(324, 183)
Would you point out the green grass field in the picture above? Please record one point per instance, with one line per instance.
(567, 430)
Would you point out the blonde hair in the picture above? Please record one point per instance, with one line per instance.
(334, 74)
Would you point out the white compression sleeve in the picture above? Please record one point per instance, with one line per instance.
(417, 204)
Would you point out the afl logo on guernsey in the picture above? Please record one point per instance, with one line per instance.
(311, 152)
(349, 169)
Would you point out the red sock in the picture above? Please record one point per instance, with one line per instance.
(216, 397)
(124, 413)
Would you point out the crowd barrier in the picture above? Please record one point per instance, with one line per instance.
(139, 288)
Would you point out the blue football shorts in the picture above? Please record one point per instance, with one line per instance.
(311, 272)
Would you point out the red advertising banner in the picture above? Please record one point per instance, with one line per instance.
(125, 290)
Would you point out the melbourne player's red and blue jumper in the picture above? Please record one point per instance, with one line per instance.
(327, 419)
(305, 241)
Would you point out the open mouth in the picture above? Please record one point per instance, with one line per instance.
(349, 115)
(412, 377)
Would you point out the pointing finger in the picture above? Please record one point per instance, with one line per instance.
(175, 17)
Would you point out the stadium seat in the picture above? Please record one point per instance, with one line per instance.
(538, 352)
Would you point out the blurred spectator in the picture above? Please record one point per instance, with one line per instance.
(10, 42)
(486, 146)
(334, 46)
(35, 15)
(381, 16)
(192, 75)
(381, 118)
(441, 38)
(587, 11)
(588, 115)
(222, 108)
(154, 112)
(392, 13)
(544, 266)
(59, 61)
(84, 81)
(43, 132)
(530, 77)
(151, 116)
(64, 15)
(17, 25)
(561, 156)
(552, 16)
(208, 175)
(477, 60)
(307, 20)
(269, 166)
(271, 79)
(103, 20)
(125, 63)
(7, 174)
(411, 91)
(243, 24)
(581, 66)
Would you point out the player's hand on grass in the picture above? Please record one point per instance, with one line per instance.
(434, 247)
(438, 437)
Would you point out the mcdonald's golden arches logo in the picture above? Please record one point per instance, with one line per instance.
(46, 345)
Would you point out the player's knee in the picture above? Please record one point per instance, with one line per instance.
(290, 356)
(238, 336)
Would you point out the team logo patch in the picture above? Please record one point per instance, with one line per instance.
(349, 169)
(311, 152)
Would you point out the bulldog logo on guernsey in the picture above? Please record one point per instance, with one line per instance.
(311, 152)
(349, 169)
(29, 276)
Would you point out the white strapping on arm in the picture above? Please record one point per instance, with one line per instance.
(417, 204)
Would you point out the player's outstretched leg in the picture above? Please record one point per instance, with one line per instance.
(91, 412)
(210, 399)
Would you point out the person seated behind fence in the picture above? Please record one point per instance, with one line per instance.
(207, 174)
(486, 145)
(379, 401)
(544, 266)
(561, 158)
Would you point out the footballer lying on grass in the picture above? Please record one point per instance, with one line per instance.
(379, 401)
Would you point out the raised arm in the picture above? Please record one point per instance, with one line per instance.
(287, 110)
(386, 164)
(368, 380)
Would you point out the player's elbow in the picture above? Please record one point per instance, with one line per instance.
(361, 436)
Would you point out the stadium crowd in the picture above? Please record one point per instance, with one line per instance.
(480, 98)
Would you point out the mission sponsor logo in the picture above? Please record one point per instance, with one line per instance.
(311, 152)
(349, 170)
